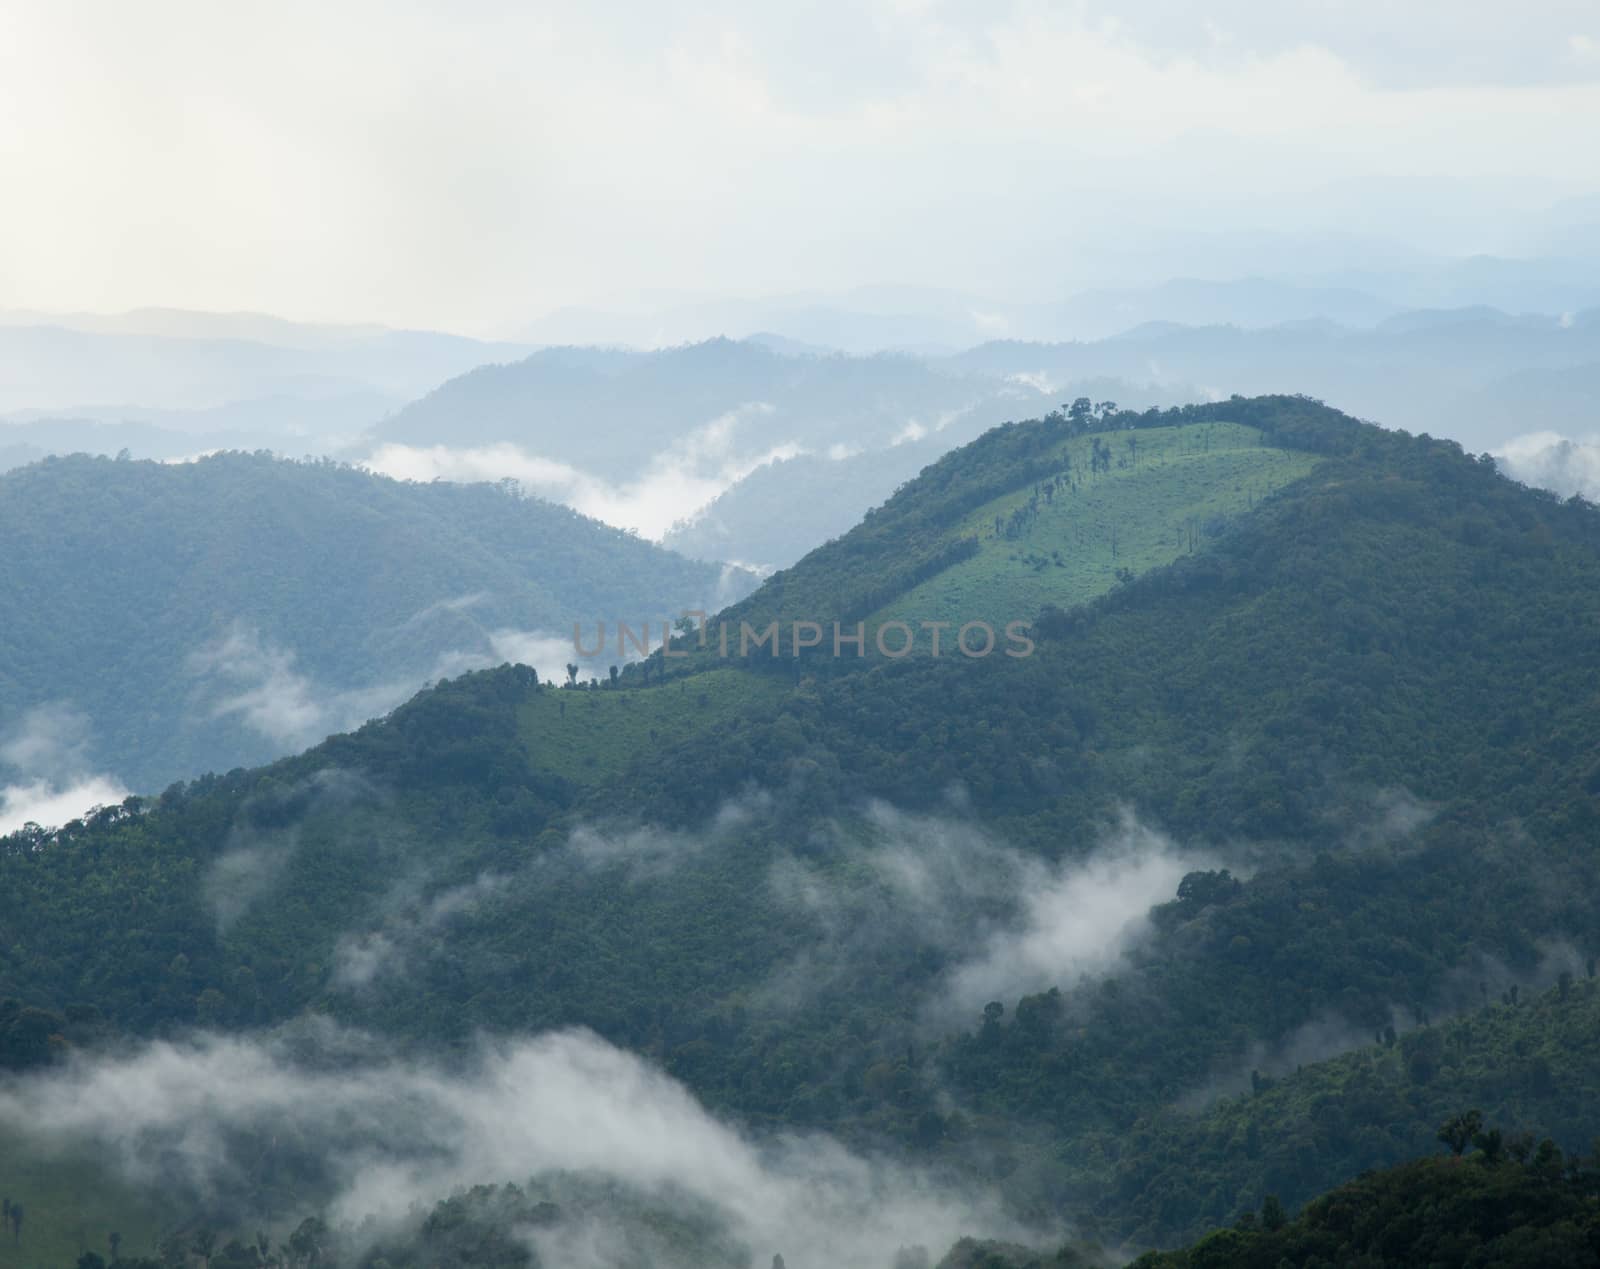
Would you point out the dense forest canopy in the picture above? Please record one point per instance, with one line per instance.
(200, 616)
(1325, 781)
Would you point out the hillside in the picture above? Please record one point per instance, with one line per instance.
(1053, 512)
(747, 454)
(1474, 374)
(588, 406)
(1292, 1130)
(767, 453)
(834, 894)
(1535, 1209)
(169, 619)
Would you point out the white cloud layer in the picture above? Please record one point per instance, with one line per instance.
(44, 752)
(1009, 922)
(50, 806)
(677, 482)
(1549, 460)
(242, 674)
(256, 681)
(395, 1133)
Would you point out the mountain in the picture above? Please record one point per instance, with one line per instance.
(864, 320)
(1452, 374)
(751, 453)
(1521, 1057)
(612, 414)
(1244, 302)
(1477, 375)
(214, 372)
(1298, 738)
(1536, 1209)
(240, 426)
(169, 619)
(1252, 281)
(178, 323)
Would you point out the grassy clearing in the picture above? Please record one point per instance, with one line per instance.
(1158, 498)
(592, 736)
(71, 1204)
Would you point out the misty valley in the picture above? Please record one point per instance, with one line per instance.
(893, 635)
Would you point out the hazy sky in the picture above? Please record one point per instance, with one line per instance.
(470, 165)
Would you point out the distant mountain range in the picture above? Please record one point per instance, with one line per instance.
(259, 377)
(759, 449)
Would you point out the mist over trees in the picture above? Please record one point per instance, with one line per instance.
(172, 619)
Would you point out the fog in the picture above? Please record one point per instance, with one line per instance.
(678, 479)
(253, 858)
(244, 675)
(1006, 923)
(391, 1136)
(1548, 460)
(46, 773)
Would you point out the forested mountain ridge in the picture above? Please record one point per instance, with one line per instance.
(213, 614)
(999, 520)
(610, 411)
(1370, 695)
(1526, 1059)
(1536, 1207)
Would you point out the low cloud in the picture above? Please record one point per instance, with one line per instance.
(1549, 460)
(547, 653)
(410, 921)
(49, 740)
(1483, 980)
(246, 871)
(254, 859)
(1077, 917)
(417, 919)
(241, 674)
(267, 692)
(51, 806)
(1006, 923)
(675, 483)
(45, 755)
(1039, 380)
(388, 1136)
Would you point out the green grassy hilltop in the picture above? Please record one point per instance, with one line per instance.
(1117, 507)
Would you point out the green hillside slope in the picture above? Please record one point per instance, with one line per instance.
(214, 614)
(71, 1204)
(1484, 1210)
(1528, 1060)
(1053, 511)
(1371, 695)
(1116, 507)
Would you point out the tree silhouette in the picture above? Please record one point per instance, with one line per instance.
(1458, 1131)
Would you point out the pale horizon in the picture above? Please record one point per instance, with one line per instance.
(473, 168)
